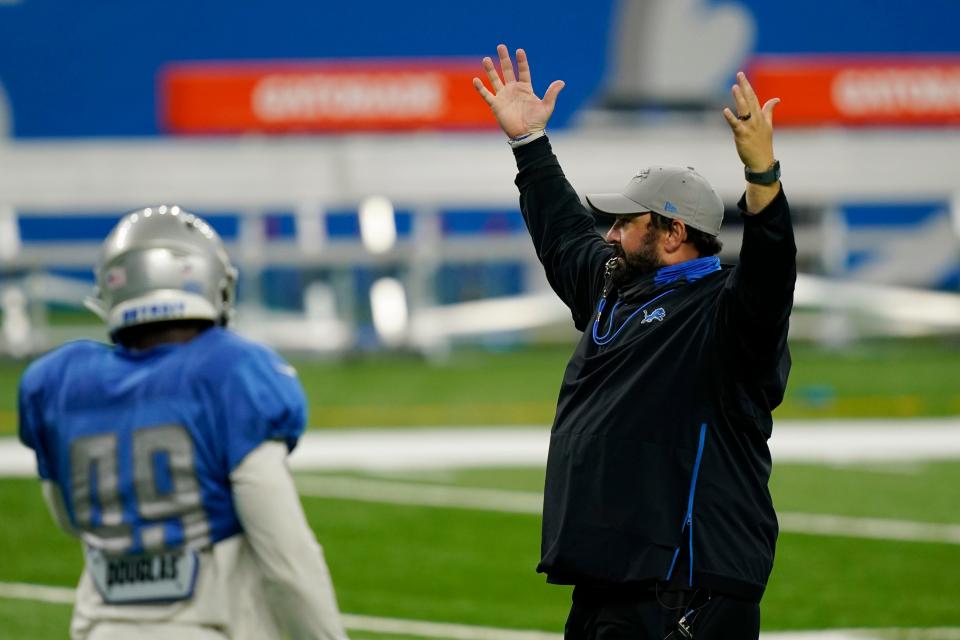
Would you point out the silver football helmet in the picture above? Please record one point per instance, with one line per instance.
(159, 264)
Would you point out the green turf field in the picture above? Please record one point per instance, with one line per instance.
(886, 379)
(27, 620)
(476, 567)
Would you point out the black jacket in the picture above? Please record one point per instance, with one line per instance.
(658, 462)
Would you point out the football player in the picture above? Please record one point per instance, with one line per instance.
(165, 453)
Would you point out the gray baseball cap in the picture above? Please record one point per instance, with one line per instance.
(675, 192)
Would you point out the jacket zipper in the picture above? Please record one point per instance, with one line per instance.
(688, 518)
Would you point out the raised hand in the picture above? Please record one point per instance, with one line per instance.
(752, 125)
(516, 107)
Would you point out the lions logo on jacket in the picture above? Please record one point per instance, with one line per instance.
(658, 314)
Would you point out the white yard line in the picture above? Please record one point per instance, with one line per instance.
(36, 592)
(421, 495)
(412, 449)
(421, 629)
(875, 528)
(451, 631)
(430, 495)
(832, 441)
(444, 630)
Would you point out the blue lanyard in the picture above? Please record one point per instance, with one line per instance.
(606, 338)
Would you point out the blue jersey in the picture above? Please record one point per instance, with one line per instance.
(142, 444)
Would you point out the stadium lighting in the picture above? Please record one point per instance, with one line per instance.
(388, 302)
(378, 227)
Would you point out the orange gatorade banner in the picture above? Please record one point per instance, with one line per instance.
(861, 90)
(206, 98)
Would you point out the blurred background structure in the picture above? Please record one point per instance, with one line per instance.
(367, 196)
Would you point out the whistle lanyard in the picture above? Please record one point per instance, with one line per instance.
(607, 338)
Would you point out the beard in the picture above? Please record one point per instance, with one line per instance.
(631, 266)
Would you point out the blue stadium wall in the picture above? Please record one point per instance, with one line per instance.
(77, 68)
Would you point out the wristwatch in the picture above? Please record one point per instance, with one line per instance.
(769, 176)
